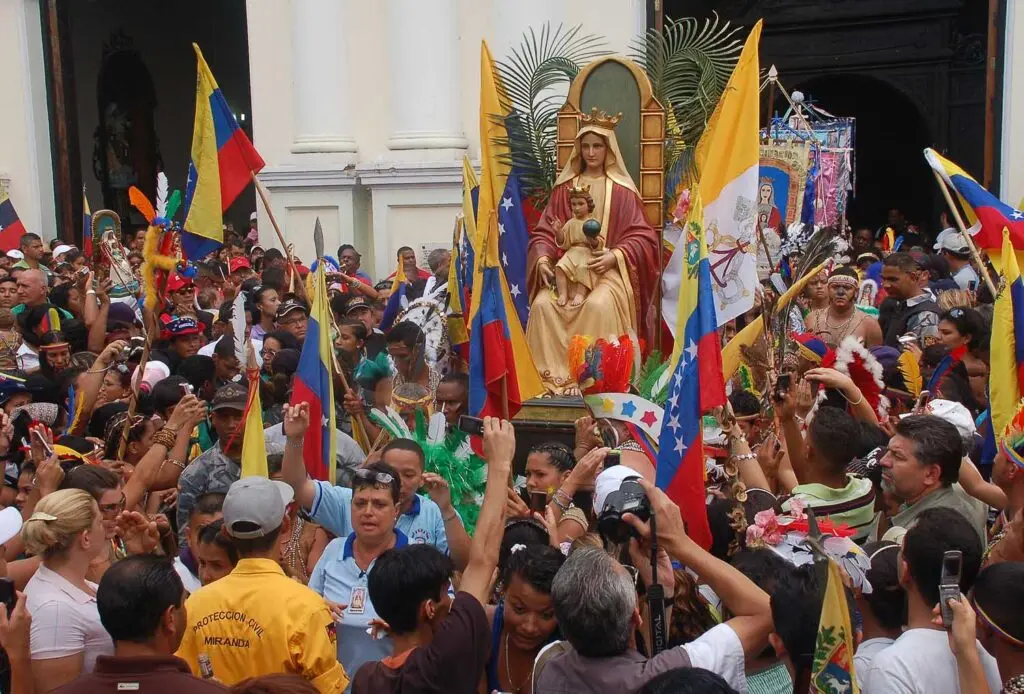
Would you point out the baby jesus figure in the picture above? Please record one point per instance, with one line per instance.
(581, 238)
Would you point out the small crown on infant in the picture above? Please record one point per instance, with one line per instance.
(579, 190)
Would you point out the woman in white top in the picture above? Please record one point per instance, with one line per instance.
(66, 529)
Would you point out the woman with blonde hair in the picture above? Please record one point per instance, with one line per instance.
(66, 530)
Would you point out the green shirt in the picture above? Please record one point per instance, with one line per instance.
(22, 265)
(21, 308)
(853, 504)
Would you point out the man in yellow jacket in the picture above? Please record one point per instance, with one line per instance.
(257, 621)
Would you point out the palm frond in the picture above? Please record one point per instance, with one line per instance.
(689, 63)
(533, 76)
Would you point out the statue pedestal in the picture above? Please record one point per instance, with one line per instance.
(546, 419)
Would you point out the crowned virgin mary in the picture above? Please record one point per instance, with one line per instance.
(627, 267)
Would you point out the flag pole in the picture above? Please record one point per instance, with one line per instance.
(273, 222)
(982, 270)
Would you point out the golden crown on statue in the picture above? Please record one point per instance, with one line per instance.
(601, 119)
(580, 190)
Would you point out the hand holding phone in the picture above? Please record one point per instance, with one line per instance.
(538, 501)
(949, 584)
(474, 426)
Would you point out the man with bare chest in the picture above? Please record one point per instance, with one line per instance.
(840, 318)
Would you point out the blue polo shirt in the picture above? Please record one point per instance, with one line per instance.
(422, 525)
(338, 578)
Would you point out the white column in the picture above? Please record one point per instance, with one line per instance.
(320, 74)
(423, 70)
(511, 19)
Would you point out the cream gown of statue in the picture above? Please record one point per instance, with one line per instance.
(608, 310)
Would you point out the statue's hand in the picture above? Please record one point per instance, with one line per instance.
(547, 274)
(603, 262)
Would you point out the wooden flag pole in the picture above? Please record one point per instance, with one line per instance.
(979, 263)
(273, 222)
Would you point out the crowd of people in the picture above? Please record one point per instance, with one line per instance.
(137, 557)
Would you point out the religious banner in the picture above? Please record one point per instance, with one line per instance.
(782, 177)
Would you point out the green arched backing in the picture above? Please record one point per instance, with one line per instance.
(612, 88)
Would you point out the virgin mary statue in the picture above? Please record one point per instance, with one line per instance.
(627, 266)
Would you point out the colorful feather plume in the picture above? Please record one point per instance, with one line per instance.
(944, 367)
(161, 195)
(370, 371)
(141, 203)
(601, 366)
(911, 372)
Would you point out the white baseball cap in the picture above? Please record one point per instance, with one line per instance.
(16, 254)
(252, 217)
(608, 481)
(10, 523)
(62, 249)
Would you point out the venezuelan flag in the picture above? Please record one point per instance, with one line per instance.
(986, 214)
(222, 165)
(832, 668)
(11, 228)
(1006, 377)
(697, 385)
(86, 227)
(396, 300)
(470, 238)
(500, 364)
(254, 448)
(313, 384)
(458, 333)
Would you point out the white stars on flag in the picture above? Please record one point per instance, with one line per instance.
(1017, 214)
(506, 203)
(691, 350)
(501, 229)
(680, 446)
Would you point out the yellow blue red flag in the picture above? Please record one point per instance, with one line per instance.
(832, 667)
(986, 214)
(502, 374)
(223, 162)
(1006, 377)
(313, 383)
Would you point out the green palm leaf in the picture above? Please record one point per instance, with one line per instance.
(689, 63)
(533, 76)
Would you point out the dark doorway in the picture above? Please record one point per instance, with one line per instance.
(122, 96)
(890, 136)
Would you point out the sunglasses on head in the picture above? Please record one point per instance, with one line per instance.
(374, 476)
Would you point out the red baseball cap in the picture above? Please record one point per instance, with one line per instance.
(176, 282)
(238, 263)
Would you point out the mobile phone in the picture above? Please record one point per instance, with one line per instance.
(474, 426)
(782, 386)
(922, 402)
(538, 501)
(186, 389)
(612, 459)
(7, 594)
(907, 338)
(949, 584)
(46, 446)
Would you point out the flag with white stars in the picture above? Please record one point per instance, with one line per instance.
(696, 386)
(512, 238)
(986, 214)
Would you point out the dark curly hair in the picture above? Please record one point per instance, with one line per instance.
(535, 564)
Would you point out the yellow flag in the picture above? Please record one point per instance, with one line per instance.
(1007, 318)
(254, 449)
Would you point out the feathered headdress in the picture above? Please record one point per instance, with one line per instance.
(601, 366)
(854, 360)
(943, 368)
(1011, 443)
(370, 371)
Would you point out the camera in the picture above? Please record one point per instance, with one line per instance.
(628, 498)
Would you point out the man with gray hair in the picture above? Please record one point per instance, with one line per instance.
(599, 614)
(439, 260)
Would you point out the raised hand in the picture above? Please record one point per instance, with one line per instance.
(437, 488)
(515, 507)
(15, 628)
(140, 535)
(499, 440)
(296, 420)
(352, 403)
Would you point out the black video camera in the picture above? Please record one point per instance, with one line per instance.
(628, 498)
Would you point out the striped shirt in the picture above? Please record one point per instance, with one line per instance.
(853, 504)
